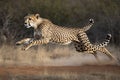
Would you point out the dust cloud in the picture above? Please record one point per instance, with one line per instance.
(59, 56)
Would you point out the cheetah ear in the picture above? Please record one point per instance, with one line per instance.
(37, 15)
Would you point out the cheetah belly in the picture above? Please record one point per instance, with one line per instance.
(66, 43)
(61, 43)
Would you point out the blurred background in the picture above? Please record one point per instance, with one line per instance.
(69, 13)
(106, 14)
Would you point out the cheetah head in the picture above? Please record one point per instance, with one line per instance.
(32, 20)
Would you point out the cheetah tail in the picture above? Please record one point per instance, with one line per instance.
(89, 25)
(107, 40)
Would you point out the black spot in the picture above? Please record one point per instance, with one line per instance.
(108, 36)
(91, 20)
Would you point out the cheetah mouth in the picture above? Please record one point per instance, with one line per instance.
(27, 26)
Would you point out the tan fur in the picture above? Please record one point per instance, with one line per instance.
(45, 32)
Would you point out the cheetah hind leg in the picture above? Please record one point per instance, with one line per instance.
(79, 48)
(105, 51)
(95, 55)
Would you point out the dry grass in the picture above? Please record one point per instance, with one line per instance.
(59, 56)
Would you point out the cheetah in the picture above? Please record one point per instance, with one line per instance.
(47, 32)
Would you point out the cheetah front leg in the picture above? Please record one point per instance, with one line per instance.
(24, 41)
(36, 42)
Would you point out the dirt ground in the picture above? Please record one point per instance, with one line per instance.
(12, 72)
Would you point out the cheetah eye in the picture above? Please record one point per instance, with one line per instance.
(29, 18)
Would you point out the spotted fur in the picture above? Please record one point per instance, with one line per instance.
(47, 32)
